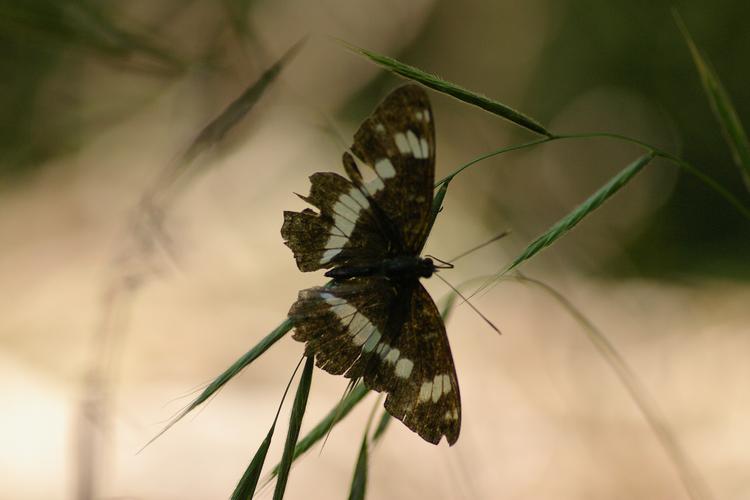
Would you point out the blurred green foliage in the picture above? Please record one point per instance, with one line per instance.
(637, 45)
(43, 44)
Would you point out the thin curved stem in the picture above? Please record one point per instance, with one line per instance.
(694, 484)
(692, 169)
(485, 156)
(610, 135)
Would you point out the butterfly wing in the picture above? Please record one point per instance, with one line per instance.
(344, 230)
(398, 143)
(390, 335)
(343, 321)
(362, 222)
(427, 398)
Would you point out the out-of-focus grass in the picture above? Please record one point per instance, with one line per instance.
(41, 39)
(721, 105)
(295, 424)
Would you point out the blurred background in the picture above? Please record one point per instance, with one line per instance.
(109, 324)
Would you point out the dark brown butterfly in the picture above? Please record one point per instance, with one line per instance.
(375, 321)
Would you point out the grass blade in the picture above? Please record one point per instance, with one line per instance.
(437, 205)
(445, 87)
(213, 133)
(385, 421)
(359, 481)
(573, 218)
(230, 372)
(295, 423)
(689, 474)
(237, 109)
(246, 486)
(334, 416)
(721, 104)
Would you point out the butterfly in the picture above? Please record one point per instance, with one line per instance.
(375, 321)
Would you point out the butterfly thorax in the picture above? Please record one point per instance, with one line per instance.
(405, 267)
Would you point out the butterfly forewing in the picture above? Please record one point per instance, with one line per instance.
(398, 142)
(360, 221)
(344, 230)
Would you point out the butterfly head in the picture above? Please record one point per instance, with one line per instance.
(425, 268)
(430, 265)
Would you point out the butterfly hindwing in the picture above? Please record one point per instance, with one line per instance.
(391, 336)
(398, 143)
(428, 400)
(343, 321)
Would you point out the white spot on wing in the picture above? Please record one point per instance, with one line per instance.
(364, 333)
(446, 384)
(345, 225)
(372, 341)
(425, 148)
(383, 350)
(336, 242)
(356, 325)
(329, 254)
(392, 356)
(343, 310)
(384, 168)
(404, 367)
(402, 143)
(416, 149)
(437, 388)
(427, 116)
(418, 116)
(350, 203)
(375, 185)
(425, 392)
(357, 196)
(344, 211)
(379, 128)
(332, 299)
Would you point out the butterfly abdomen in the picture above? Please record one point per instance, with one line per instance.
(397, 268)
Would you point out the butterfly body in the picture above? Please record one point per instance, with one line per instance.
(402, 268)
(375, 321)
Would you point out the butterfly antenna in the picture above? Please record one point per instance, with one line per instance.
(455, 290)
(443, 264)
(480, 246)
(339, 409)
